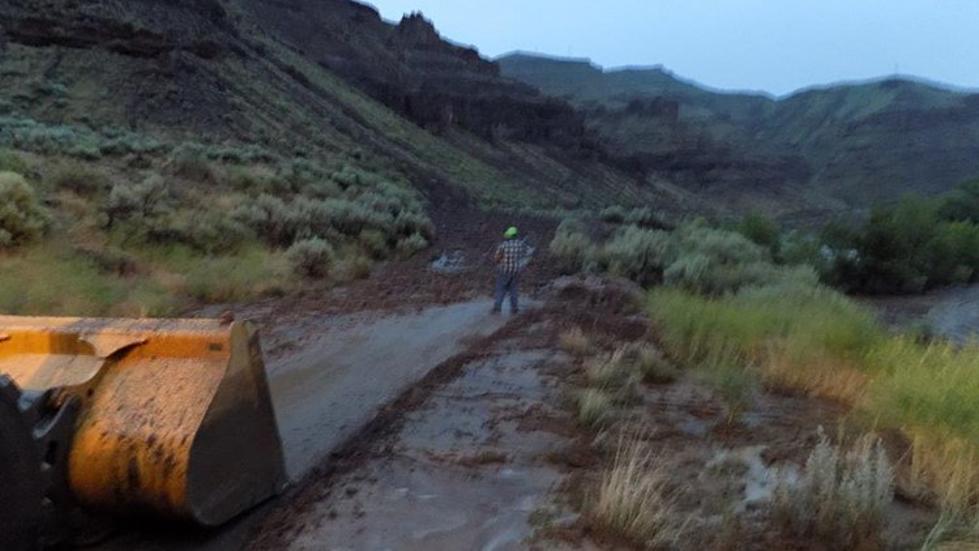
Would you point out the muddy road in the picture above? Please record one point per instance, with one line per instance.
(327, 389)
(329, 376)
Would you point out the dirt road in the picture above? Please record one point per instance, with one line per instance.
(329, 376)
(465, 470)
(327, 389)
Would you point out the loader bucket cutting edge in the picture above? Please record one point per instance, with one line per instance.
(175, 419)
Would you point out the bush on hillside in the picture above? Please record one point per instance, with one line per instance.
(761, 230)
(272, 220)
(906, 248)
(190, 161)
(962, 204)
(571, 246)
(409, 246)
(645, 217)
(11, 162)
(22, 219)
(375, 243)
(613, 215)
(721, 246)
(637, 254)
(78, 178)
(280, 223)
(714, 261)
(140, 202)
(207, 231)
(311, 258)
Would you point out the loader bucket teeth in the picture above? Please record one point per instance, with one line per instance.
(175, 417)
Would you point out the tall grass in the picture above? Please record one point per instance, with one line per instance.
(53, 279)
(815, 340)
(633, 498)
(50, 280)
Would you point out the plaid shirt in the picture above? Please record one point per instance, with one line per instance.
(511, 256)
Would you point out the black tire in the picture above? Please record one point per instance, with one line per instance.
(21, 513)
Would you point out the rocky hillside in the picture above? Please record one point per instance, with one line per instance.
(326, 79)
(826, 146)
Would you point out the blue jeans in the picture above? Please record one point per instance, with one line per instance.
(507, 284)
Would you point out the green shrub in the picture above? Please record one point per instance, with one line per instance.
(190, 161)
(11, 162)
(271, 219)
(78, 178)
(594, 407)
(250, 273)
(644, 217)
(637, 254)
(573, 251)
(842, 497)
(22, 218)
(208, 231)
(720, 246)
(910, 247)
(311, 257)
(409, 246)
(613, 215)
(652, 365)
(88, 151)
(962, 204)
(353, 268)
(256, 180)
(407, 224)
(53, 281)
(140, 202)
(761, 230)
(375, 243)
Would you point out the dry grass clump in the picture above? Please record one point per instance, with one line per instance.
(613, 371)
(842, 496)
(574, 341)
(654, 368)
(634, 500)
(595, 407)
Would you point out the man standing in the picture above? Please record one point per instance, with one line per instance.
(511, 258)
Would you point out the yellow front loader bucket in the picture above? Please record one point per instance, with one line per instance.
(174, 417)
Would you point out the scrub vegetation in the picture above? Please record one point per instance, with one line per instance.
(730, 306)
(188, 224)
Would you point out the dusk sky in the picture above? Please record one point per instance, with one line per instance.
(775, 46)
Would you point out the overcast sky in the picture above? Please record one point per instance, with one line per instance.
(772, 45)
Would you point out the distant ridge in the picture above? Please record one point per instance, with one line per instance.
(848, 144)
